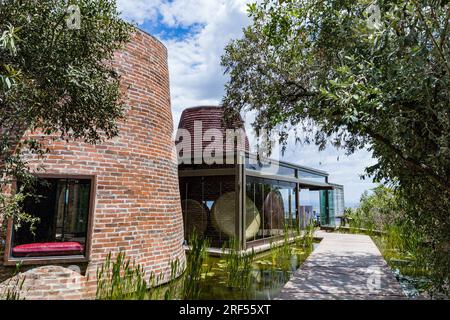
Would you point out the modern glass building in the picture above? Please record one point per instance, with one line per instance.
(251, 200)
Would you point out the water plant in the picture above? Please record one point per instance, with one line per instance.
(238, 265)
(14, 287)
(120, 279)
(305, 237)
(195, 266)
(173, 285)
(285, 248)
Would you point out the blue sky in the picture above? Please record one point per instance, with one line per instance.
(195, 33)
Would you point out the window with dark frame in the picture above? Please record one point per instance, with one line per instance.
(63, 207)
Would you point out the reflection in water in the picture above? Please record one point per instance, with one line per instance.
(270, 272)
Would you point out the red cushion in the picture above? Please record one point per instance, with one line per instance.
(48, 249)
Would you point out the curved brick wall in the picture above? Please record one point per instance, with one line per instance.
(137, 206)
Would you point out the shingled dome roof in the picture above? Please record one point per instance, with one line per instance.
(210, 117)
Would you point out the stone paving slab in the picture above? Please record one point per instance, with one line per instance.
(343, 266)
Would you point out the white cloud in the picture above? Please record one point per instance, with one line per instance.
(139, 11)
(197, 77)
(345, 170)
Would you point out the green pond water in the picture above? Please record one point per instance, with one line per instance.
(270, 271)
(267, 275)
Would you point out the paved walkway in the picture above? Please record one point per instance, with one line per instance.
(343, 266)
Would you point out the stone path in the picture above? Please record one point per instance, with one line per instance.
(343, 266)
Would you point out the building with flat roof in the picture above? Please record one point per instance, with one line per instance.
(248, 199)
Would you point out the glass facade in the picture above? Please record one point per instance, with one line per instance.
(310, 206)
(326, 200)
(306, 175)
(268, 167)
(62, 206)
(264, 206)
(339, 203)
(275, 202)
(209, 207)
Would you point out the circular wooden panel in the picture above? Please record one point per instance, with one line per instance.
(223, 216)
(274, 211)
(195, 216)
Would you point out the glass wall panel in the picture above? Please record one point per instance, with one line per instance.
(208, 205)
(269, 167)
(306, 175)
(274, 202)
(339, 203)
(327, 216)
(310, 207)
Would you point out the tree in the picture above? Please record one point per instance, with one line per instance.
(56, 77)
(329, 71)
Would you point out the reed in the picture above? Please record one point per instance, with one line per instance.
(196, 258)
(238, 266)
(305, 238)
(173, 287)
(14, 286)
(121, 280)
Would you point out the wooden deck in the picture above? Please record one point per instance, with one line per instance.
(344, 266)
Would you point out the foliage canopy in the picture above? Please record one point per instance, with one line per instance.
(55, 78)
(321, 71)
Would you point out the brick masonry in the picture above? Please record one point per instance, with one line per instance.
(137, 203)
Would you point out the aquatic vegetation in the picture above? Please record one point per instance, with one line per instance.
(195, 260)
(305, 238)
(233, 276)
(172, 288)
(237, 265)
(121, 280)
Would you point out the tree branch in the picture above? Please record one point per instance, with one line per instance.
(410, 161)
(430, 34)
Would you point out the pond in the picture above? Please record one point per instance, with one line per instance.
(256, 277)
(413, 280)
(270, 271)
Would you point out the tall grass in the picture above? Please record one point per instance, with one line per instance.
(14, 286)
(120, 279)
(172, 289)
(196, 258)
(305, 238)
(238, 265)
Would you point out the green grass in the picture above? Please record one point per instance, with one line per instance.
(195, 266)
(14, 286)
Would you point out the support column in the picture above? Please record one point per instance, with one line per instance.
(239, 214)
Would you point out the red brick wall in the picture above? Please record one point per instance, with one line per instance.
(137, 207)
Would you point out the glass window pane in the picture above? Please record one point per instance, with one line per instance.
(208, 205)
(275, 200)
(306, 175)
(268, 167)
(62, 205)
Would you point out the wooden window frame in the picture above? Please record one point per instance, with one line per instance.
(9, 260)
